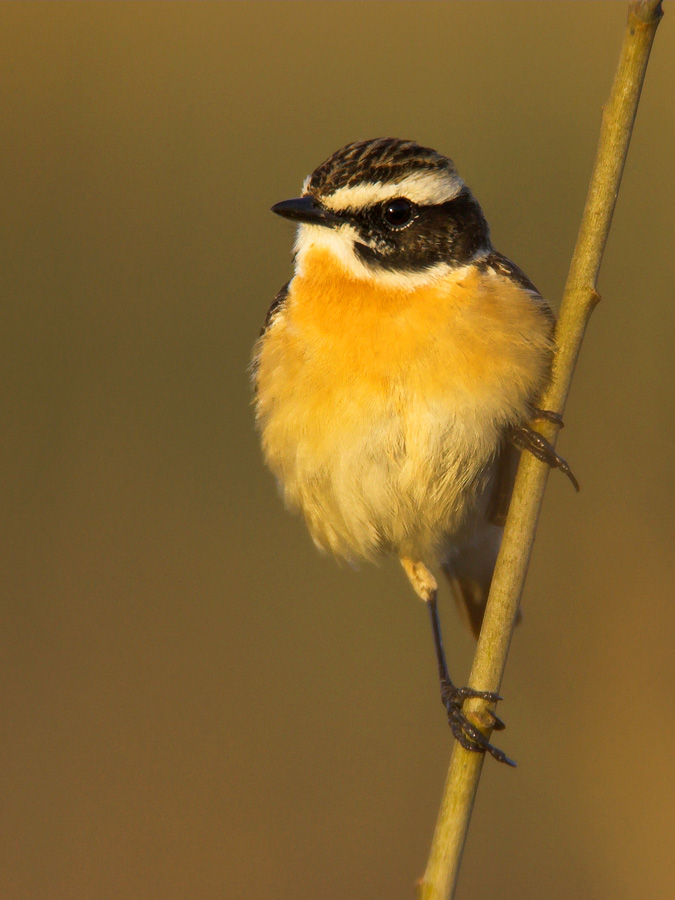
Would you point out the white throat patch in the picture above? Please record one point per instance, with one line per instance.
(339, 242)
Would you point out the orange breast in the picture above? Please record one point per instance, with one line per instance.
(379, 405)
(469, 333)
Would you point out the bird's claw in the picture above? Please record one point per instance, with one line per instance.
(527, 438)
(549, 416)
(498, 724)
(465, 733)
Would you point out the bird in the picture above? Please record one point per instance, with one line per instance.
(396, 379)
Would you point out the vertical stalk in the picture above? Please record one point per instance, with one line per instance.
(579, 299)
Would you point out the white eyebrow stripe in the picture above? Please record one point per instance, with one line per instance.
(423, 188)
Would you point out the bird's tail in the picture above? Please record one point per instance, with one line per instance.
(469, 573)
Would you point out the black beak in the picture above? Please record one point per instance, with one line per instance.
(307, 210)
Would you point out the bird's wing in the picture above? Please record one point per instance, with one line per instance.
(275, 308)
(502, 265)
(272, 312)
(505, 476)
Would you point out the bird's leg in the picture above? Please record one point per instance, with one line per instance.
(526, 438)
(464, 731)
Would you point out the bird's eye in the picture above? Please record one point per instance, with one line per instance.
(398, 213)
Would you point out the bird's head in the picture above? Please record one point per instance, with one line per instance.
(388, 210)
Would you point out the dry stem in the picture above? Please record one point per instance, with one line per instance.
(579, 299)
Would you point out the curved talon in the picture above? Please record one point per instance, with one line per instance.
(498, 724)
(528, 439)
(467, 693)
(465, 732)
(460, 731)
(473, 740)
(461, 738)
(500, 756)
(549, 416)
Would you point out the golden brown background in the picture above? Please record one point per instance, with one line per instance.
(195, 703)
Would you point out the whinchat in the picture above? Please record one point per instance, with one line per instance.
(397, 371)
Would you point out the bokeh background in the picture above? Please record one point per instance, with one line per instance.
(194, 702)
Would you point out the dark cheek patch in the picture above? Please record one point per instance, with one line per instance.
(451, 232)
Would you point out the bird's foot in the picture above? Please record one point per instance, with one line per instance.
(527, 438)
(467, 734)
(549, 416)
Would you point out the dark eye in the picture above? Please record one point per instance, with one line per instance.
(398, 213)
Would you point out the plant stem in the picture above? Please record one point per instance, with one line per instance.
(579, 299)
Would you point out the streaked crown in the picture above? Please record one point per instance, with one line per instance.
(383, 161)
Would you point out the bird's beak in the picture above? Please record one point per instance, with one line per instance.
(307, 210)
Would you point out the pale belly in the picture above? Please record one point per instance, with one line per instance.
(372, 477)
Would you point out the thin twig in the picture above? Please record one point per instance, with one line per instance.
(579, 299)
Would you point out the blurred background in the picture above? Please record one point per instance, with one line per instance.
(195, 703)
